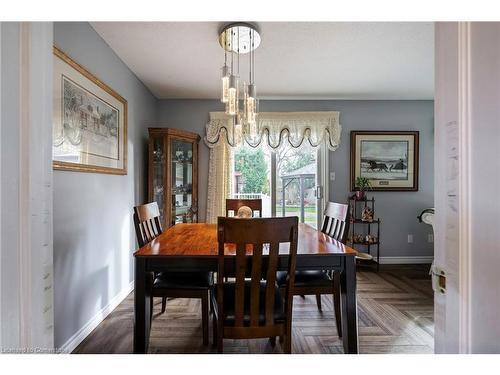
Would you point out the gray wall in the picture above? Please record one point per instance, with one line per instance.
(398, 210)
(93, 231)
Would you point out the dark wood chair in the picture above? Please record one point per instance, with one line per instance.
(172, 284)
(235, 204)
(318, 282)
(254, 308)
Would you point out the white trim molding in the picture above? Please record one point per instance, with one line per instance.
(97, 319)
(407, 260)
(26, 191)
(1, 25)
(464, 184)
(24, 233)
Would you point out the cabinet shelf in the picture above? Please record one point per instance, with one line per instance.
(366, 243)
(364, 256)
(354, 199)
(359, 221)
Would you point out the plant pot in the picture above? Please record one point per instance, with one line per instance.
(360, 195)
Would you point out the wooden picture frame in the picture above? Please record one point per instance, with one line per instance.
(389, 159)
(89, 121)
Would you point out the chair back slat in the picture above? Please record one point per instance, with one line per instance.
(239, 299)
(336, 221)
(271, 280)
(257, 234)
(235, 204)
(147, 223)
(255, 284)
(338, 228)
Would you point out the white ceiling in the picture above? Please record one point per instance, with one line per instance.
(296, 60)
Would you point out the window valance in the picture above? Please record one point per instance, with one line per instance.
(274, 128)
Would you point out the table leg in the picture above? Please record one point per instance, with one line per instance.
(142, 307)
(349, 306)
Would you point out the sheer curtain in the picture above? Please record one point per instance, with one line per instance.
(219, 178)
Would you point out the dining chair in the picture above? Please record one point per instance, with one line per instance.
(172, 284)
(255, 307)
(318, 282)
(235, 204)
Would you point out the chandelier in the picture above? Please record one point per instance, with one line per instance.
(240, 39)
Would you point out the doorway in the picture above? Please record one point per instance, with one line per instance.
(288, 179)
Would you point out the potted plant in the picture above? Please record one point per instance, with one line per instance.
(362, 185)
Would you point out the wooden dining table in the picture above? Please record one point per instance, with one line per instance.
(193, 247)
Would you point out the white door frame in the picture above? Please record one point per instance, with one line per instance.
(1, 23)
(453, 129)
(322, 176)
(464, 185)
(29, 255)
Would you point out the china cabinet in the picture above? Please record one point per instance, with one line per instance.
(173, 174)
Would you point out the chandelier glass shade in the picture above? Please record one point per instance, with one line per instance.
(224, 97)
(232, 105)
(250, 104)
(240, 39)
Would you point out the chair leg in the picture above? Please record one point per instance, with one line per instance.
(287, 348)
(318, 301)
(204, 317)
(163, 304)
(220, 341)
(272, 341)
(218, 333)
(336, 302)
(151, 309)
(214, 328)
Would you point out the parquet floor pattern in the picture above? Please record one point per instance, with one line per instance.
(395, 315)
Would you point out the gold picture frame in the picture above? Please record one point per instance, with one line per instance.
(89, 121)
(388, 159)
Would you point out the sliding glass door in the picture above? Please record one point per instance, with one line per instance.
(288, 180)
(252, 175)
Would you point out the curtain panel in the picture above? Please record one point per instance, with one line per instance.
(219, 182)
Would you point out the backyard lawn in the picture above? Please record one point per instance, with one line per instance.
(309, 212)
(296, 208)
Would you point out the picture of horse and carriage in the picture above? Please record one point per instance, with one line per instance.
(388, 159)
(384, 160)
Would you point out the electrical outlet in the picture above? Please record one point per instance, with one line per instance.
(332, 176)
(410, 238)
(430, 238)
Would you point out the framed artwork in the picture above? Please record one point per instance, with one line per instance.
(90, 121)
(389, 159)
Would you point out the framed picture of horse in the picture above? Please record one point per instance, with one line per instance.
(388, 159)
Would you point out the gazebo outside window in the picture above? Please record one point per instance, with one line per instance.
(306, 179)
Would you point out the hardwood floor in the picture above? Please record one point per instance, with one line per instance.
(395, 315)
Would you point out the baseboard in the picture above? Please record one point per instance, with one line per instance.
(83, 332)
(407, 260)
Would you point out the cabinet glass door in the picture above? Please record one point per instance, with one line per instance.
(183, 208)
(159, 161)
